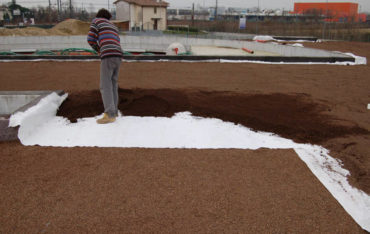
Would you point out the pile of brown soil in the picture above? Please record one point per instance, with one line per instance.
(65, 28)
(29, 31)
(291, 116)
(71, 27)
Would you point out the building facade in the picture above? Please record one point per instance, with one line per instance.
(331, 11)
(187, 14)
(4, 13)
(142, 14)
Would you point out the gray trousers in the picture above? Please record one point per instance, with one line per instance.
(109, 70)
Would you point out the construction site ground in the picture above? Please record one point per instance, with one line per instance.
(46, 189)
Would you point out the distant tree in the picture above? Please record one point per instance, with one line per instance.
(6, 17)
(83, 15)
(13, 6)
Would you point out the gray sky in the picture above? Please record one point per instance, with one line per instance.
(264, 4)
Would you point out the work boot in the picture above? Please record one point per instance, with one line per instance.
(106, 119)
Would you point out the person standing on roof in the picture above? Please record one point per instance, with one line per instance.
(104, 39)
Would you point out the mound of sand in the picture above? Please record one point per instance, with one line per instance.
(29, 31)
(72, 27)
(65, 28)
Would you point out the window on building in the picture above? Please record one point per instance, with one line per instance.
(155, 10)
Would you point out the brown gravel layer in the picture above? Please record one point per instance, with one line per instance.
(343, 91)
(340, 92)
(104, 190)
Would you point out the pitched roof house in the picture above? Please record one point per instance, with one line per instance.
(143, 14)
(3, 11)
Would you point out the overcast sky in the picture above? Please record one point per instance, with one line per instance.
(264, 4)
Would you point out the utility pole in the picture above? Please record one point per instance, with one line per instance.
(108, 5)
(216, 9)
(59, 3)
(49, 11)
(325, 18)
(70, 9)
(257, 15)
(192, 16)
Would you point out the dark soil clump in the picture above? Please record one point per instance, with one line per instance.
(291, 116)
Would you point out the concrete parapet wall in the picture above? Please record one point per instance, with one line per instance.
(156, 44)
(43, 43)
(161, 43)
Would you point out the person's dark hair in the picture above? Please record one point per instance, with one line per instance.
(104, 13)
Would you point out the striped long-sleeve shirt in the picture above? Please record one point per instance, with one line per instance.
(103, 38)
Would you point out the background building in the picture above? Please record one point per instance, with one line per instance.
(331, 11)
(2, 14)
(142, 14)
(188, 14)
